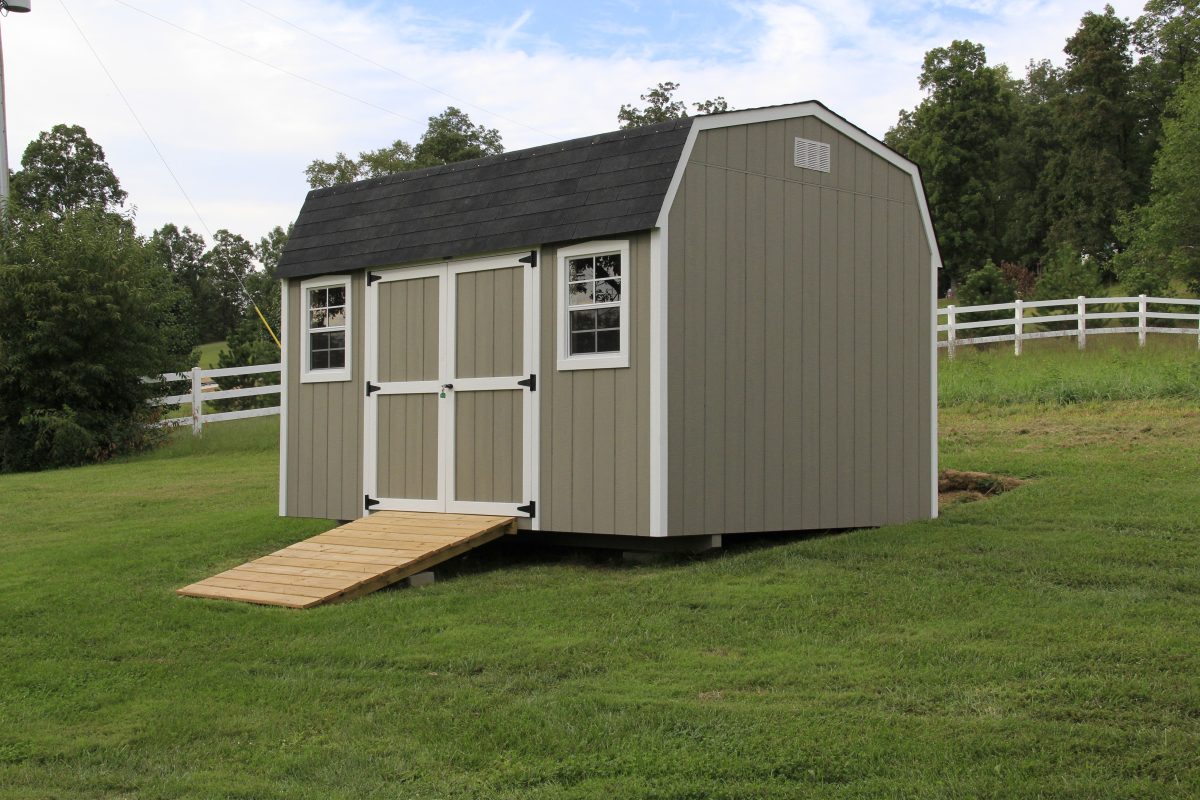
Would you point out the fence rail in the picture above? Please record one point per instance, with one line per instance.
(201, 393)
(1080, 315)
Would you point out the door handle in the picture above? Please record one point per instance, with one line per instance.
(445, 386)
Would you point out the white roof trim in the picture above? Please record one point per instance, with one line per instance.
(795, 110)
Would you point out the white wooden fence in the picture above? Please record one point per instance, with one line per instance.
(1027, 326)
(199, 395)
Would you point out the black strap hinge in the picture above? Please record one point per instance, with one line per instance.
(372, 277)
(371, 388)
(530, 259)
(530, 509)
(530, 382)
(368, 502)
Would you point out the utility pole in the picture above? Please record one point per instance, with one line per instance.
(5, 7)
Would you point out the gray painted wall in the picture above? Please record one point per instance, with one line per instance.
(799, 327)
(595, 424)
(324, 424)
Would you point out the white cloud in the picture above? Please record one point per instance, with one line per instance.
(239, 134)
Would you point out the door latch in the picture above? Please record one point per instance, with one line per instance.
(445, 386)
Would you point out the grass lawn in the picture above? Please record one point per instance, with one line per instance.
(209, 352)
(1045, 643)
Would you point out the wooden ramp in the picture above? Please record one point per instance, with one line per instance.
(354, 559)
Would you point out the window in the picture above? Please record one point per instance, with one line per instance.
(593, 322)
(325, 305)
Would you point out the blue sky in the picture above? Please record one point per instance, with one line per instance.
(238, 131)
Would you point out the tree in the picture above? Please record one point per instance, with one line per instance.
(227, 263)
(269, 249)
(449, 137)
(662, 106)
(181, 253)
(1102, 170)
(955, 135)
(1163, 236)
(88, 312)
(63, 170)
(1066, 275)
(1024, 209)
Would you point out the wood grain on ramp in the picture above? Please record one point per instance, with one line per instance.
(354, 559)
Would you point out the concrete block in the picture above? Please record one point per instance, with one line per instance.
(420, 579)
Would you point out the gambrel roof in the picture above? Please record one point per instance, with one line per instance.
(579, 189)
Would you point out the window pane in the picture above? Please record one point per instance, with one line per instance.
(608, 291)
(319, 360)
(337, 316)
(579, 269)
(337, 296)
(337, 340)
(316, 319)
(320, 341)
(608, 318)
(337, 359)
(583, 320)
(316, 298)
(581, 293)
(608, 266)
(583, 343)
(608, 342)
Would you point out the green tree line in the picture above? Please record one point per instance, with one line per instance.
(1069, 176)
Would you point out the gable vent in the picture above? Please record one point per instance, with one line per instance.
(812, 155)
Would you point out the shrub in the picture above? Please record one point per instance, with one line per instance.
(1067, 275)
(985, 286)
(86, 314)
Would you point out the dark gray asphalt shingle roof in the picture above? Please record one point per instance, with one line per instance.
(580, 189)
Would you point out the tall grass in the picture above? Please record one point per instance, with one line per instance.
(1054, 372)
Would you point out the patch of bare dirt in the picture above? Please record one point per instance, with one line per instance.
(957, 486)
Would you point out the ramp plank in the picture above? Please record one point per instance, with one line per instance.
(352, 560)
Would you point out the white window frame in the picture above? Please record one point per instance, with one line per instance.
(616, 360)
(308, 375)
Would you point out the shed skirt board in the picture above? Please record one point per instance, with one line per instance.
(352, 560)
(449, 414)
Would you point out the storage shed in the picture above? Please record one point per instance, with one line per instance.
(714, 325)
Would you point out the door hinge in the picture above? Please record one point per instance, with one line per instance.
(530, 259)
(531, 382)
(371, 388)
(530, 509)
(372, 277)
(368, 502)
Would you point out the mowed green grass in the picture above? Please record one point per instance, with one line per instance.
(209, 353)
(1045, 643)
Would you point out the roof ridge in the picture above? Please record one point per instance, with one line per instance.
(499, 158)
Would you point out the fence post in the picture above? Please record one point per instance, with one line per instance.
(1082, 321)
(1141, 320)
(1018, 326)
(197, 403)
(950, 333)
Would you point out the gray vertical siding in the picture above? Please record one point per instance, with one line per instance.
(407, 457)
(798, 357)
(324, 424)
(408, 330)
(489, 322)
(595, 434)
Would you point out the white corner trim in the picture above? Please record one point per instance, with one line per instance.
(326, 375)
(792, 111)
(619, 360)
(284, 323)
(659, 343)
(933, 389)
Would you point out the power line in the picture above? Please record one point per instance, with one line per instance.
(163, 159)
(267, 64)
(386, 68)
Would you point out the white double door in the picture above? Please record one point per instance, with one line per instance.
(449, 425)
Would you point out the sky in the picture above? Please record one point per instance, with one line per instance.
(239, 96)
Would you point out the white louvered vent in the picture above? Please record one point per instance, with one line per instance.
(812, 155)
